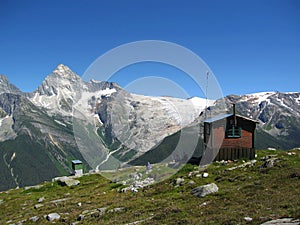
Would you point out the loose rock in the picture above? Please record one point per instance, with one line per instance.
(251, 163)
(41, 199)
(205, 190)
(248, 219)
(283, 221)
(38, 206)
(53, 216)
(204, 175)
(34, 218)
(269, 163)
(179, 181)
(191, 182)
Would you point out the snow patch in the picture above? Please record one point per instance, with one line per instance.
(259, 97)
(61, 123)
(95, 81)
(284, 105)
(97, 118)
(201, 103)
(13, 156)
(2, 119)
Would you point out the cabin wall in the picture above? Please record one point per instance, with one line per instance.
(245, 141)
(218, 137)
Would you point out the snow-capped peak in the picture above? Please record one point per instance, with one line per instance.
(258, 97)
(62, 70)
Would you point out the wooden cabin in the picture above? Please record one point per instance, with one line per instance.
(229, 137)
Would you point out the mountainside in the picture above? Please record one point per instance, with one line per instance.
(106, 127)
(7, 87)
(34, 146)
(278, 115)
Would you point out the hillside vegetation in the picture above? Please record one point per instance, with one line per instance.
(261, 190)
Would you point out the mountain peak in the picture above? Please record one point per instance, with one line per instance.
(6, 86)
(62, 70)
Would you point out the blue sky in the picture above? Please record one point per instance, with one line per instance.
(250, 46)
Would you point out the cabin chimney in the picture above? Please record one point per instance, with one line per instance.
(234, 114)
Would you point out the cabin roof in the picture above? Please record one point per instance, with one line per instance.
(76, 161)
(223, 116)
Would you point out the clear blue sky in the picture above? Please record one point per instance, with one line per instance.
(250, 46)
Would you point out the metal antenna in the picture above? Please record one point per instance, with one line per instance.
(205, 116)
(206, 99)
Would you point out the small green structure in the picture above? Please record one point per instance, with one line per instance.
(77, 166)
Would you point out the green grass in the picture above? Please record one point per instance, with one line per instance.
(262, 194)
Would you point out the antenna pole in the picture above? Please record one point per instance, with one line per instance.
(206, 99)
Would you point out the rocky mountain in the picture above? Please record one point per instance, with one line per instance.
(42, 131)
(278, 115)
(101, 124)
(7, 87)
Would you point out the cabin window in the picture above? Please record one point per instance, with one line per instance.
(233, 132)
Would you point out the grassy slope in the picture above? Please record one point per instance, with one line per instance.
(262, 194)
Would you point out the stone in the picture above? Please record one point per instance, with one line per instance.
(204, 190)
(21, 222)
(66, 181)
(179, 181)
(283, 221)
(41, 199)
(204, 175)
(34, 218)
(269, 163)
(75, 223)
(38, 206)
(80, 217)
(191, 182)
(248, 219)
(203, 204)
(59, 200)
(53, 216)
(250, 163)
(115, 210)
(33, 187)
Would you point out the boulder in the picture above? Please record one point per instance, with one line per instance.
(67, 181)
(205, 190)
(269, 163)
